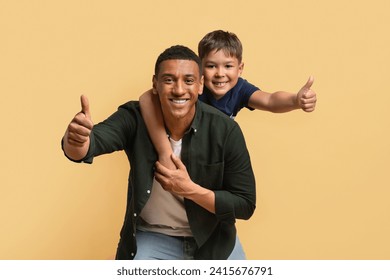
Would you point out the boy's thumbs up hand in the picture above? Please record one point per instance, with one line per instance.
(81, 125)
(306, 97)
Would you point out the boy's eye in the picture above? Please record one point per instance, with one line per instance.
(229, 66)
(210, 66)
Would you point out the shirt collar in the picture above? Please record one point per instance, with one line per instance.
(196, 121)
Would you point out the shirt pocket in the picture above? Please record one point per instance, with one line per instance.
(210, 176)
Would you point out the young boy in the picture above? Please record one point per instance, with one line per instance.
(221, 55)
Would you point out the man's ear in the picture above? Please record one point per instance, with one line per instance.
(154, 83)
(201, 84)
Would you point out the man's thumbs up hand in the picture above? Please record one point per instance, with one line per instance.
(85, 106)
(81, 125)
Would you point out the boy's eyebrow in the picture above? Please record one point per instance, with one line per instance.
(212, 61)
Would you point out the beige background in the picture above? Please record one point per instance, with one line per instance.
(322, 178)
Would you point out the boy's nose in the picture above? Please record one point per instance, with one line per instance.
(220, 72)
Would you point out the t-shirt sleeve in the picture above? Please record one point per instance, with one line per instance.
(246, 91)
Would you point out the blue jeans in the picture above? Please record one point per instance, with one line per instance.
(157, 246)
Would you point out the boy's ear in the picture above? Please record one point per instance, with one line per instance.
(241, 67)
(154, 82)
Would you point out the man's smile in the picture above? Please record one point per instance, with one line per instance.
(179, 101)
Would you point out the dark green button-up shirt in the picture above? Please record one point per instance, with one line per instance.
(216, 157)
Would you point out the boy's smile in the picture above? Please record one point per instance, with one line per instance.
(219, 84)
(221, 72)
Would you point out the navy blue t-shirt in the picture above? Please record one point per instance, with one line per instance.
(233, 101)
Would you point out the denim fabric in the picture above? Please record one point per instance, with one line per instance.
(157, 246)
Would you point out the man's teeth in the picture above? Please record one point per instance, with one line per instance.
(178, 101)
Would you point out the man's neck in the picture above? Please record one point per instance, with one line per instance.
(177, 129)
(178, 125)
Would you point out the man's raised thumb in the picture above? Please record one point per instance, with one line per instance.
(85, 106)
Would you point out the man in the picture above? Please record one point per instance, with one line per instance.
(194, 206)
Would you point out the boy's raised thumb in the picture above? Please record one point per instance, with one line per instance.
(309, 82)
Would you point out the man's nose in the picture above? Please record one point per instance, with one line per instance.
(179, 88)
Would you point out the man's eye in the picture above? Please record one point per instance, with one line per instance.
(189, 81)
(168, 80)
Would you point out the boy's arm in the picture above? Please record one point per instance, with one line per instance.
(281, 101)
(152, 115)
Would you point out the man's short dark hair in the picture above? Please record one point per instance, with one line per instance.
(177, 52)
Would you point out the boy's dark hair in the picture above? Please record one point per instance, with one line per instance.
(220, 40)
(177, 52)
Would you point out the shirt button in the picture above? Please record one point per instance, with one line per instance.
(194, 130)
(148, 191)
(132, 254)
(135, 214)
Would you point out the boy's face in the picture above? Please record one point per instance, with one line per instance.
(221, 72)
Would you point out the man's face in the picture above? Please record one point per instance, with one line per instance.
(178, 84)
(221, 72)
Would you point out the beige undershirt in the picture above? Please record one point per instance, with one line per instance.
(165, 212)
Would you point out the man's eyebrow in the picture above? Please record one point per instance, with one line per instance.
(172, 75)
(166, 75)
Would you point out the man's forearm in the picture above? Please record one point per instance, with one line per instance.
(203, 197)
(75, 151)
